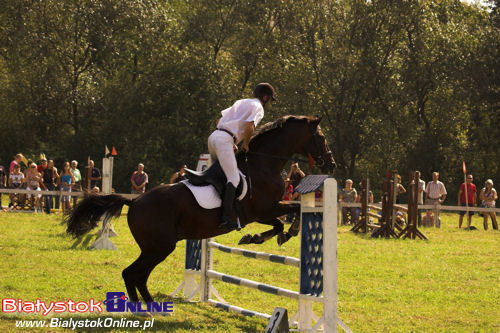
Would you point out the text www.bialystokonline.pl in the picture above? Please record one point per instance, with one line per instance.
(86, 323)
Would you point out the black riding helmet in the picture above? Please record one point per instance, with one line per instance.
(263, 89)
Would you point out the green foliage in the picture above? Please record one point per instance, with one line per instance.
(402, 85)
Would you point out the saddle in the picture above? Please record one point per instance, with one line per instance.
(215, 176)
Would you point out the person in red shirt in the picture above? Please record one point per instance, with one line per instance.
(471, 200)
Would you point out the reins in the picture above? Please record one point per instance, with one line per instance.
(284, 158)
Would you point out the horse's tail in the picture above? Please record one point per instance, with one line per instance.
(89, 211)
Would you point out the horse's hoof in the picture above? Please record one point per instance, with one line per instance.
(257, 239)
(247, 239)
(283, 238)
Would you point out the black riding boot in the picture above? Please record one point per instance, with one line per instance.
(227, 208)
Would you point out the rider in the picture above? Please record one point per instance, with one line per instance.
(237, 123)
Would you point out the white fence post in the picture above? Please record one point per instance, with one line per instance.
(330, 255)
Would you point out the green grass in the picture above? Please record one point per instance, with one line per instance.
(447, 284)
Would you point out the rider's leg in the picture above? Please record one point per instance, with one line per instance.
(220, 144)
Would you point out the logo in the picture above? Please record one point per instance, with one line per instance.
(118, 302)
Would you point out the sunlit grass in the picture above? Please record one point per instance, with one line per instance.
(449, 283)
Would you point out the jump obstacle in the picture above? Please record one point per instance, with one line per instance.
(389, 208)
(317, 263)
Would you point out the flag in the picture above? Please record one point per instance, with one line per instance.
(106, 151)
(113, 151)
(464, 168)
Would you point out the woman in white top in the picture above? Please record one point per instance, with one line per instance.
(488, 196)
(16, 180)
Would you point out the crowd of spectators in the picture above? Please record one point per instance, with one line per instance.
(26, 174)
(46, 177)
(435, 194)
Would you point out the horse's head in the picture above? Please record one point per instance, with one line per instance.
(316, 148)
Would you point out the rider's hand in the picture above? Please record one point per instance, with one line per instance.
(235, 148)
(244, 147)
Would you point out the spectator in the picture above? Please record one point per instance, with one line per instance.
(139, 180)
(16, 180)
(92, 176)
(43, 164)
(17, 159)
(400, 189)
(288, 192)
(78, 180)
(294, 177)
(348, 195)
(66, 180)
(179, 175)
(488, 197)
(49, 177)
(471, 200)
(3, 181)
(33, 179)
(435, 194)
(420, 196)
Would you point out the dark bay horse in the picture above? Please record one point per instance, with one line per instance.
(161, 217)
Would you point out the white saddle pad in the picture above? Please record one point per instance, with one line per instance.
(207, 197)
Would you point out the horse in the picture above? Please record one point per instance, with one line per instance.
(166, 214)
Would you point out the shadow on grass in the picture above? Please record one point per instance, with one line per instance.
(82, 242)
(212, 321)
(217, 317)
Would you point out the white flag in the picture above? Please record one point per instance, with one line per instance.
(106, 151)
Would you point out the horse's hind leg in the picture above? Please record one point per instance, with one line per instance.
(137, 274)
(278, 228)
(128, 277)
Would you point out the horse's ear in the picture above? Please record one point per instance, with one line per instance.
(316, 120)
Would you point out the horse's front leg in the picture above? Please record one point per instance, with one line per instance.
(280, 209)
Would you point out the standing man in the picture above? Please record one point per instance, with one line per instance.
(49, 177)
(436, 194)
(93, 175)
(139, 180)
(237, 123)
(420, 196)
(466, 200)
(77, 187)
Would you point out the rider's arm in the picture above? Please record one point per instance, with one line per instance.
(247, 135)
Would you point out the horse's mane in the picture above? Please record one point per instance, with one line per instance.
(269, 127)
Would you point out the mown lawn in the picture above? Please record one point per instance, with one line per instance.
(450, 283)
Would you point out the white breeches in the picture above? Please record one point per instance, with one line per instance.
(220, 146)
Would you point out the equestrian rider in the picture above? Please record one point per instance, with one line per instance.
(237, 124)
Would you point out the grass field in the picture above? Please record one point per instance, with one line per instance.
(447, 284)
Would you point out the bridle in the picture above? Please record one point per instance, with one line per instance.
(320, 159)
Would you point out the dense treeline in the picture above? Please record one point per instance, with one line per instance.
(401, 84)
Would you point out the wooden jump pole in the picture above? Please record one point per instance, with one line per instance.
(388, 197)
(411, 229)
(364, 218)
